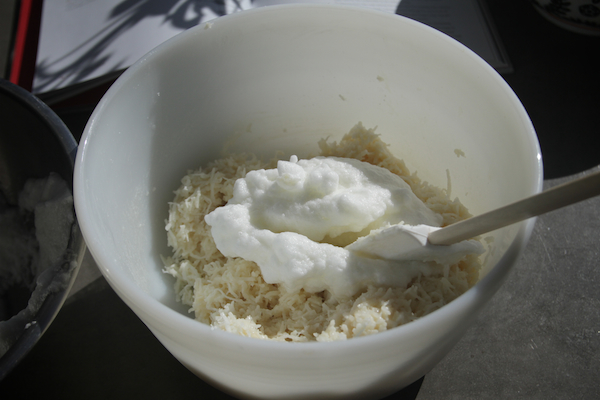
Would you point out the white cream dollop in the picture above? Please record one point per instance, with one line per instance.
(295, 221)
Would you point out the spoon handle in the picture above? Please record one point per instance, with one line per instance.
(559, 196)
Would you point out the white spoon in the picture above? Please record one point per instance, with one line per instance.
(400, 242)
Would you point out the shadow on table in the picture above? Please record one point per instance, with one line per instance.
(94, 54)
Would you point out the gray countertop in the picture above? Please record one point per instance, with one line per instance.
(539, 338)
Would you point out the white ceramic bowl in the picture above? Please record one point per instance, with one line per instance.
(281, 78)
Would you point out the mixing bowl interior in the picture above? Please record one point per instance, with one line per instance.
(282, 85)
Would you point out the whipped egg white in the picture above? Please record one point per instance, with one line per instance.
(298, 223)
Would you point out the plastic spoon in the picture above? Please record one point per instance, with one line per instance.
(405, 242)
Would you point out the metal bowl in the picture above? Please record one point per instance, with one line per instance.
(34, 142)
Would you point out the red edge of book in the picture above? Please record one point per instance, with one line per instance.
(26, 42)
(24, 55)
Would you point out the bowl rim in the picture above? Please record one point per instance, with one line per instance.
(186, 324)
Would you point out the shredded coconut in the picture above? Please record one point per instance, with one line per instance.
(231, 294)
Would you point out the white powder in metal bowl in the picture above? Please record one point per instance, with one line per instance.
(34, 237)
